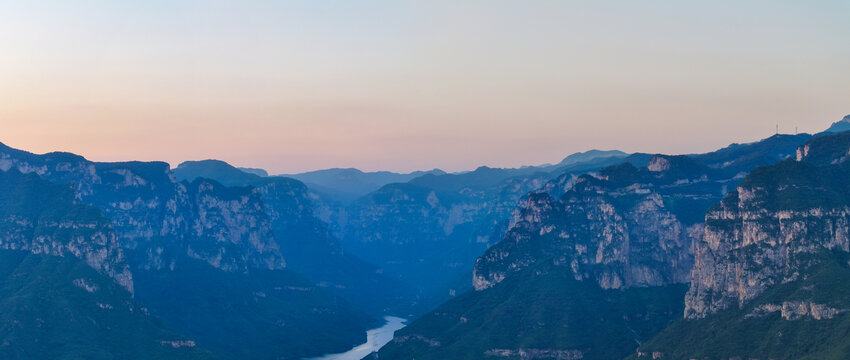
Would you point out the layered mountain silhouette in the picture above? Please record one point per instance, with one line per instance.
(201, 259)
(594, 269)
(741, 252)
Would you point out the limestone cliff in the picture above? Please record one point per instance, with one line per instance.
(44, 218)
(622, 228)
(158, 219)
(767, 231)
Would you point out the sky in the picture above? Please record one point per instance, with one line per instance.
(398, 85)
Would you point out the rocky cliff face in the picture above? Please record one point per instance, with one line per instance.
(231, 229)
(767, 231)
(299, 235)
(161, 220)
(622, 228)
(430, 231)
(158, 219)
(43, 218)
(430, 237)
(626, 226)
(292, 212)
(603, 257)
(771, 271)
(59, 167)
(204, 257)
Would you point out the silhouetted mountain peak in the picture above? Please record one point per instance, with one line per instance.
(590, 155)
(840, 126)
(350, 183)
(214, 169)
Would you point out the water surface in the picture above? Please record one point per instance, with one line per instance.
(375, 339)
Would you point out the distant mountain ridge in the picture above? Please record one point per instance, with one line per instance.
(462, 211)
(429, 231)
(740, 252)
(349, 183)
(255, 171)
(621, 237)
(305, 241)
(840, 126)
(589, 155)
(174, 234)
(217, 170)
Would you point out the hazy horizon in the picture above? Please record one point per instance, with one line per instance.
(404, 86)
(272, 173)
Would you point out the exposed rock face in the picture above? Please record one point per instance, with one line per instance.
(745, 250)
(739, 159)
(159, 219)
(259, 221)
(825, 150)
(626, 227)
(766, 232)
(796, 310)
(530, 354)
(58, 167)
(178, 343)
(414, 338)
(44, 218)
(292, 211)
(428, 232)
(231, 230)
(204, 257)
(407, 228)
(658, 164)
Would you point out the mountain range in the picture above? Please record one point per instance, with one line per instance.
(742, 252)
(201, 257)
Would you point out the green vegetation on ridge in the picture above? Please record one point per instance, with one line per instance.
(543, 308)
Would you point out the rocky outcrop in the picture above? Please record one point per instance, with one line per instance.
(531, 354)
(58, 167)
(768, 231)
(260, 221)
(407, 228)
(415, 338)
(589, 250)
(745, 251)
(292, 211)
(430, 230)
(44, 218)
(231, 230)
(205, 259)
(159, 220)
(625, 227)
(796, 310)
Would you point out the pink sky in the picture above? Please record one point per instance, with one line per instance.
(413, 85)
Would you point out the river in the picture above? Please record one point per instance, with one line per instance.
(375, 339)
